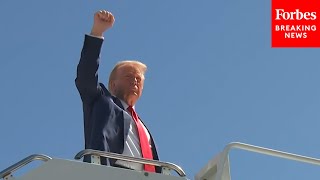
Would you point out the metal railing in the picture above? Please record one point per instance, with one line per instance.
(22, 163)
(262, 150)
(174, 167)
(272, 152)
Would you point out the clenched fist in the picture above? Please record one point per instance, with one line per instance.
(103, 20)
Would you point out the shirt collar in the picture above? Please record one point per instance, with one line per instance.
(125, 105)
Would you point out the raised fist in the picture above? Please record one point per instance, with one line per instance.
(103, 20)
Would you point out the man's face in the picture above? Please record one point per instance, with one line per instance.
(128, 84)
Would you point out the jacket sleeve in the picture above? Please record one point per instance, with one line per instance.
(87, 70)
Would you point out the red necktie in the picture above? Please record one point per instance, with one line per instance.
(144, 143)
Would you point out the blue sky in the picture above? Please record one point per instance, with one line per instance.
(212, 79)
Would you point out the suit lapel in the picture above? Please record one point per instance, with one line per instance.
(126, 117)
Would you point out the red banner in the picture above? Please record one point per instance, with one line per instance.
(295, 23)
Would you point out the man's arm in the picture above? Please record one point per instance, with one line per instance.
(87, 75)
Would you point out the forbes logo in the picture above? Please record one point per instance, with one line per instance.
(296, 15)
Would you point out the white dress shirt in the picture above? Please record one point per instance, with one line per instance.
(132, 144)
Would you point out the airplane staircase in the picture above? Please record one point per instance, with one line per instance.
(64, 169)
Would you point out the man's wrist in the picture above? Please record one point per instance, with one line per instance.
(96, 33)
(100, 37)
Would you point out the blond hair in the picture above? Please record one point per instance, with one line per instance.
(142, 68)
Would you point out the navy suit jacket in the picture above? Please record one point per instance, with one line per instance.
(106, 124)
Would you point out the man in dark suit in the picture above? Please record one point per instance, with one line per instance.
(110, 121)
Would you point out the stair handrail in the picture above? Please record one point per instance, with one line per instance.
(172, 166)
(262, 150)
(22, 163)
